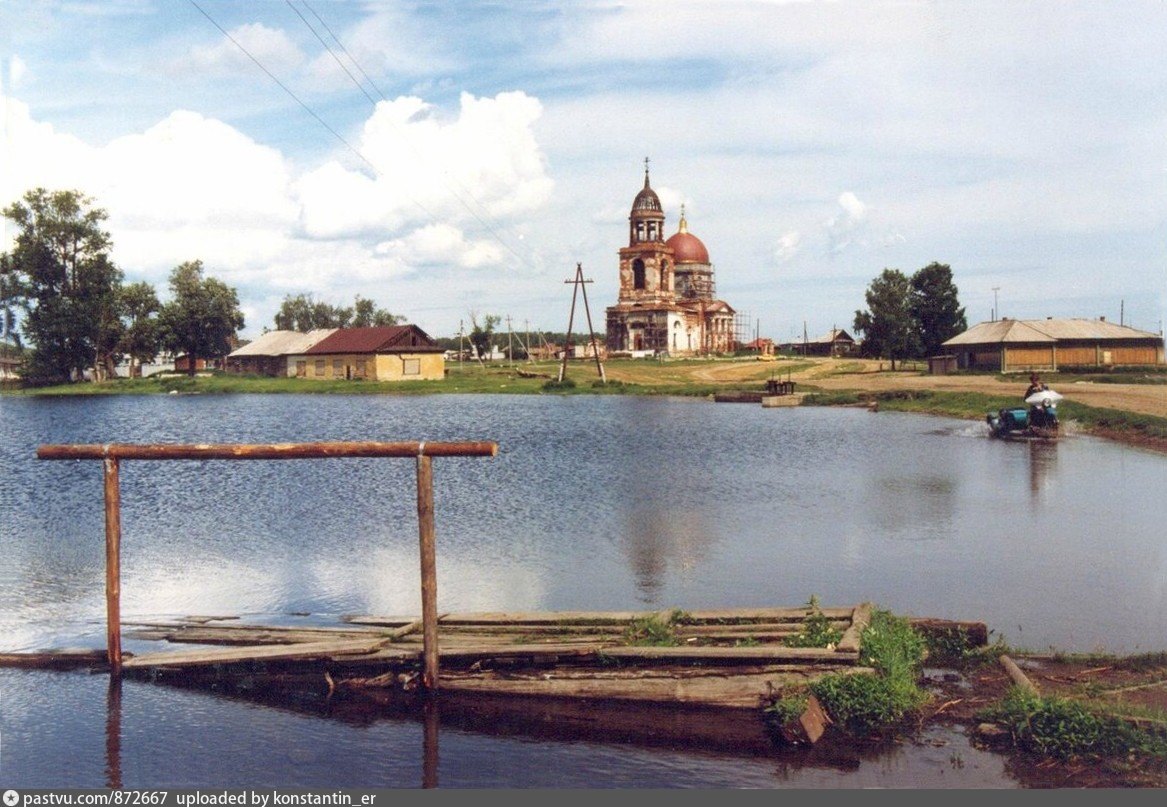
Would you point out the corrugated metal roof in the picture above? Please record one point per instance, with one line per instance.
(391, 338)
(1045, 330)
(282, 343)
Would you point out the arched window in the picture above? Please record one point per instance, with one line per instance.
(664, 275)
(638, 274)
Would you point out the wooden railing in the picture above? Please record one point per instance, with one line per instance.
(112, 454)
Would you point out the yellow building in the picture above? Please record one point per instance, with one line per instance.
(392, 353)
(1013, 345)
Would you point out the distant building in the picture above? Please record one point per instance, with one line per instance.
(666, 301)
(391, 353)
(268, 353)
(835, 342)
(1013, 345)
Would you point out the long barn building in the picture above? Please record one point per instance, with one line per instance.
(1015, 345)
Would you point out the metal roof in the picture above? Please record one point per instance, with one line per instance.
(1046, 331)
(282, 343)
(388, 339)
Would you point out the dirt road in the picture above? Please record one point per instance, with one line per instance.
(872, 376)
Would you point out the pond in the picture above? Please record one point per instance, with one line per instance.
(592, 503)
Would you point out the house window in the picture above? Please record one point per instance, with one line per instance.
(301, 369)
(411, 366)
(361, 368)
(338, 368)
(320, 368)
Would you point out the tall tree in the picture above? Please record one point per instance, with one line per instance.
(139, 305)
(367, 314)
(305, 313)
(935, 307)
(60, 273)
(482, 332)
(887, 325)
(202, 316)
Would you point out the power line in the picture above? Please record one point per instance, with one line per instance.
(284, 87)
(494, 234)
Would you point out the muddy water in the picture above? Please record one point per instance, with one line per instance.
(592, 503)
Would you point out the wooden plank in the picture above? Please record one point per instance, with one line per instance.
(306, 650)
(763, 652)
(860, 619)
(727, 615)
(255, 636)
(749, 691)
(429, 570)
(520, 650)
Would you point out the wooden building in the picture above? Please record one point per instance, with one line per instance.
(1013, 345)
(391, 353)
(268, 354)
(835, 342)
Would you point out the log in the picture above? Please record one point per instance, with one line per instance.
(57, 659)
(1019, 677)
(266, 451)
(247, 636)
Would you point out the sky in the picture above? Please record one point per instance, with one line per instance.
(452, 160)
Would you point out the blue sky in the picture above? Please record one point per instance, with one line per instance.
(813, 144)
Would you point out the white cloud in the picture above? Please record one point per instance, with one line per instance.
(271, 47)
(16, 72)
(846, 226)
(440, 245)
(485, 164)
(788, 246)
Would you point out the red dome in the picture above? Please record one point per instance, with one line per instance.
(687, 248)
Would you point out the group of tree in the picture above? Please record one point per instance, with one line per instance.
(76, 312)
(910, 317)
(305, 313)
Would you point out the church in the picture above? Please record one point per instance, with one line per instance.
(666, 302)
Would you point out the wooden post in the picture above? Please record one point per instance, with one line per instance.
(113, 589)
(429, 573)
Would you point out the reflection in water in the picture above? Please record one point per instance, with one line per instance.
(113, 734)
(1043, 460)
(429, 747)
(657, 538)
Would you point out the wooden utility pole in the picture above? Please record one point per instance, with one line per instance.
(580, 284)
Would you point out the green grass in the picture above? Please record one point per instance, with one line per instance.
(974, 406)
(1065, 729)
(862, 705)
(816, 629)
(655, 630)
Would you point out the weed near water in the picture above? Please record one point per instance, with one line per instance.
(656, 631)
(817, 630)
(864, 704)
(859, 704)
(1062, 728)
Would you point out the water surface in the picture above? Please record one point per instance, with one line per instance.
(592, 503)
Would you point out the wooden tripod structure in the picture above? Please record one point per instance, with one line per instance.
(580, 285)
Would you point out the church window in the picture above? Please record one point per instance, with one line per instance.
(638, 274)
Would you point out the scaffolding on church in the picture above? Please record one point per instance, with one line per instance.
(743, 328)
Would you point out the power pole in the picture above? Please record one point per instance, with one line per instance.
(510, 346)
(461, 332)
(580, 285)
